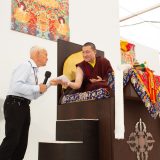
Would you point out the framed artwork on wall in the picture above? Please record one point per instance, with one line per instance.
(48, 19)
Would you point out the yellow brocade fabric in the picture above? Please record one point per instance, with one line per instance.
(69, 67)
(123, 45)
(92, 63)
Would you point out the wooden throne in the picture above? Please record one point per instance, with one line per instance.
(108, 148)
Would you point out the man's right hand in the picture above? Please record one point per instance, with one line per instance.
(42, 87)
(99, 79)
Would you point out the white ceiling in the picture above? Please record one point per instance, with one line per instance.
(137, 29)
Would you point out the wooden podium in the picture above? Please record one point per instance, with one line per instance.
(142, 132)
(134, 110)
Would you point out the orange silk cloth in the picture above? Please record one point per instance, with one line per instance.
(151, 82)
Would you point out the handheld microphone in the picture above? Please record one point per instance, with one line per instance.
(47, 75)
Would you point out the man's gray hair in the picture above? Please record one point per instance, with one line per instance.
(35, 49)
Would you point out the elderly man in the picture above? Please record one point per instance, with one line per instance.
(23, 88)
(92, 72)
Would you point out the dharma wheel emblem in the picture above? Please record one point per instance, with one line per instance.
(141, 141)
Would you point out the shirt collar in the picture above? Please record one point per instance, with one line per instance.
(33, 63)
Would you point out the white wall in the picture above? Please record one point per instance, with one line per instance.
(151, 56)
(95, 21)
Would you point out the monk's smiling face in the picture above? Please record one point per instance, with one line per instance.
(88, 54)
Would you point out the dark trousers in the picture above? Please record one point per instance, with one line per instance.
(17, 117)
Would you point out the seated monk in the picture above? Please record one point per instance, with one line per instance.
(92, 72)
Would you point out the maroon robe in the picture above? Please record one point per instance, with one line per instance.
(101, 68)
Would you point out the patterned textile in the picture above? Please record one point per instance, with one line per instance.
(86, 96)
(140, 83)
(141, 89)
(150, 82)
(144, 77)
(127, 52)
(42, 18)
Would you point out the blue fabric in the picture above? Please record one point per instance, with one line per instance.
(100, 93)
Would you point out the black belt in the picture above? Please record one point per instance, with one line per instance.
(19, 99)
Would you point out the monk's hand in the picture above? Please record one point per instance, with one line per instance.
(99, 79)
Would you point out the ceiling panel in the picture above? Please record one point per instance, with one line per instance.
(145, 28)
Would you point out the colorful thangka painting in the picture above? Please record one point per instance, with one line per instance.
(127, 52)
(47, 19)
